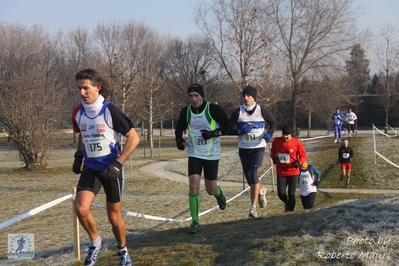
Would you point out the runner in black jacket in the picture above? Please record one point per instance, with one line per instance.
(205, 123)
(345, 155)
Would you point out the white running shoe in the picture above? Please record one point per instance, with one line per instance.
(124, 258)
(93, 254)
(335, 141)
(252, 212)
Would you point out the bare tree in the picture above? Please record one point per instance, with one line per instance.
(319, 99)
(184, 62)
(311, 35)
(119, 45)
(74, 51)
(237, 31)
(387, 51)
(153, 96)
(30, 102)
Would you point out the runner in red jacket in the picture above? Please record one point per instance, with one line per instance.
(287, 154)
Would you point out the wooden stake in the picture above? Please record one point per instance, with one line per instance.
(76, 224)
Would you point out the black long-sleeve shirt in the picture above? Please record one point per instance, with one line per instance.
(345, 154)
(217, 113)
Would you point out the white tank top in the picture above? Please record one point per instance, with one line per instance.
(197, 146)
(254, 138)
(306, 183)
(101, 143)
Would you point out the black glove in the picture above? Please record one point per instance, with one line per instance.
(275, 160)
(114, 171)
(206, 134)
(316, 182)
(77, 163)
(297, 164)
(180, 145)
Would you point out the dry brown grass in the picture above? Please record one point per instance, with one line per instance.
(226, 237)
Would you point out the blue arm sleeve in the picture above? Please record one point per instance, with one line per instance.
(317, 173)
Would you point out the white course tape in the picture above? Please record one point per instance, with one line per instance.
(217, 207)
(388, 161)
(34, 211)
(140, 215)
(151, 217)
(381, 132)
(321, 137)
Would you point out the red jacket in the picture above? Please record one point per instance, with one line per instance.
(287, 152)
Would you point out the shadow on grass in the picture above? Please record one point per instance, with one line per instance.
(273, 240)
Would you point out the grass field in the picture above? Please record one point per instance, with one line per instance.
(343, 229)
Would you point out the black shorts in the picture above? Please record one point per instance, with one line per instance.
(195, 166)
(92, 180)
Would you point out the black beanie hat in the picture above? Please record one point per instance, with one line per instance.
(287, 130)
(250, 91)
(197, 88)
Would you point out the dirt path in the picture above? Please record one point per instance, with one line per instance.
(230, 166)
(159, 169)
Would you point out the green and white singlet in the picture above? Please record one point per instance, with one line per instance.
(197, 146)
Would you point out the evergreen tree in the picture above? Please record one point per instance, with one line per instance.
(358, 70)
(375, 85)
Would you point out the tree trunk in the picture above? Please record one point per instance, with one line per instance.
(293, 111)
(151, 129)
(386, 121)
(32, 159)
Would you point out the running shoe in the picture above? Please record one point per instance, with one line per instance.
(342, 178)
(252, 212)
(347, 185)
(194, 228)
(288, 209)
(221, 200)
(335, 140)
(262, 197)
(93, 254)
(124, 258)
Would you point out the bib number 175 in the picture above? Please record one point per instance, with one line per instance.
(95, 147)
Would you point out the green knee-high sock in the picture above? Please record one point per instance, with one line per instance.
(194, 204)
(217, 194)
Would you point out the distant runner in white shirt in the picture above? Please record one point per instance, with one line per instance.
(350, 122)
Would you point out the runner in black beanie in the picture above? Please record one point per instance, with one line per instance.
(250, 91)
(197, 88)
